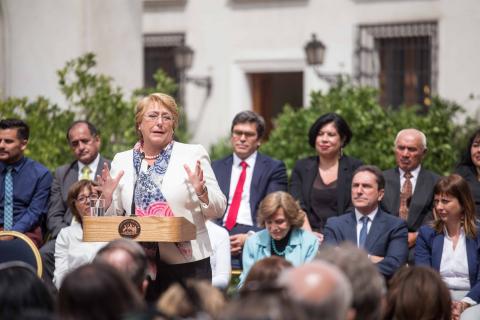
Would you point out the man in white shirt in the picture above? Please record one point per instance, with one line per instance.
(246, 177)
(84, 140)
(381, 235)
(409, 187)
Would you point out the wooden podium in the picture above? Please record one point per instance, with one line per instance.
(154, 229)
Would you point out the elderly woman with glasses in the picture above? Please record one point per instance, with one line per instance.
(283, 236)
(163, 177)
(70, 250)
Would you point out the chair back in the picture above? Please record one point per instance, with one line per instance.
(20, 248)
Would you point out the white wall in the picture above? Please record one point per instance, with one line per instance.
(231, 39)
(42, 35)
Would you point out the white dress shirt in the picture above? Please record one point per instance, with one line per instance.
(220, 258)
(454, 264)
(413, 179)
(358, 216)
(244, 215)
(93, 168)
(71, 252)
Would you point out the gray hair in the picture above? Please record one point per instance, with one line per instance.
(368, 285)
(422, 135)
(250, 117)
(320, 289)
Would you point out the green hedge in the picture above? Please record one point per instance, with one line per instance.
(374, 128)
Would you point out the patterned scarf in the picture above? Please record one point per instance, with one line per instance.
(149, 200)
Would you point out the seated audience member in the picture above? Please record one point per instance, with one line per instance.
(382, 235)
(195, 298)
(451, 245)
(263, 303)
(282, 219)
(409, 186)
(322, 183)
(22, 292)
(220, 259)
(245, 178)
(417, 293)
(70, 249)
(24, 183)
(129, 258)
(97, 292)
(265, 272)
(469, 168)
(320, 289)
(84, 141)
(368, 285)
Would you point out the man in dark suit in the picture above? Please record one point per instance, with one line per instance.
(383, 236)
(245, 178)
(409, 186)
(84, 141)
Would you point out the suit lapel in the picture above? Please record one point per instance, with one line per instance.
(225, 176)
(310, 173)
(437, 250)
(376, 230)
(418, 198)
(472, 252)
(351, 232)
(342, 185)
(396, 190)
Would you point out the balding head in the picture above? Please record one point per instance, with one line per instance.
(320, 288)
(410, 148)
(128, 257)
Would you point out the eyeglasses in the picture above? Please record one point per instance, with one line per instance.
(239, 133)
(85, 199)
(155, 116)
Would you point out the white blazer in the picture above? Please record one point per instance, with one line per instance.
(180, 196)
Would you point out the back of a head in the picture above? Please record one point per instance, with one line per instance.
(418, 293)
(128, 257)
(262, 304)
(320, 289)
(97, 291)
(21, 291)
(367, 283)
(191, 298)
(265, 271)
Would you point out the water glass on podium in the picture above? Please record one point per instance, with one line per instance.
(97, 207)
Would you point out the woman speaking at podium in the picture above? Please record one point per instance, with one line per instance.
(163, 177)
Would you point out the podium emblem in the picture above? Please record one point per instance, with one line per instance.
(129, 228)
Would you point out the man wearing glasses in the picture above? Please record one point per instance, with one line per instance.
(83, 138)
(245, 178)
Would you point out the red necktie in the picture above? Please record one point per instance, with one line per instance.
(237, 198)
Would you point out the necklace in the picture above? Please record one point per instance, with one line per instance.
(277, 252)
(151, 157)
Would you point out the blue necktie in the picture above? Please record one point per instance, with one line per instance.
(8, 201)
(363, 232)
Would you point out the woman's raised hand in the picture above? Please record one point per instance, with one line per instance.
(107, 184)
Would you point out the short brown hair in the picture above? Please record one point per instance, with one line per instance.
(73, 192)
(280, 199)
(152, 99)
(457, 187)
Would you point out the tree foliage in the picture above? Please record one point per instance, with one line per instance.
(91, 96)
(374, 128)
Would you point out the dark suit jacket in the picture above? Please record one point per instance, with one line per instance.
(305, 172)
(429, 250)
(469, 173)
(387, 237)
(59, 215)
(420, 209)
(269, 175)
